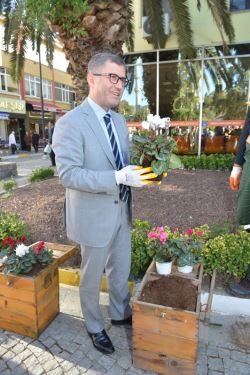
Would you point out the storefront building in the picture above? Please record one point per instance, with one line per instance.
(205, 97)
(21, 106)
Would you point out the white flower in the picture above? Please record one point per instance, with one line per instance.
(145, 125)
(4, 259)
(150, 117)
(22, 250)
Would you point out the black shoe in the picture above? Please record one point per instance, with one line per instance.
(102, 342)
(123, 322)
(241, 290)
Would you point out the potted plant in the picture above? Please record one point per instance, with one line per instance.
(29, 287)
(160, 250)
(152, 146)
(187, 247)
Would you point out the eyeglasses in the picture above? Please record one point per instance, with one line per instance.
(113, 78)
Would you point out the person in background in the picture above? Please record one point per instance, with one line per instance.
(240, 181)
(51, 127)
(12, 142)
(92, 149)
(27, 140)
(35, 140)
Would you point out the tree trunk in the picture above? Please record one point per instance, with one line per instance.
(106, 29)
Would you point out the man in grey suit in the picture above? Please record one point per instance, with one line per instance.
(92, 149)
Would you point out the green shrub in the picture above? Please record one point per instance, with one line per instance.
(211, 162)
(228, 253)
(9, 185)
(140, 248)
(12, 225)
(40, 174)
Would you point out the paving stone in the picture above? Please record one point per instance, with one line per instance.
(66, 365)
(21, 370)
(77, 356)
(48, 342)
(84, 364)
(25, 354)
(50, 365)
(7, 372)
(94, 354)
(239, 356)
(212, 372)
(9, 343)
(2, 351)
(212, 351)
(97, 367)
(106, 361)
(201, 370)
(224, 353)
(18, 348)
(238, 368)
(55, 349)
(3, 365)
(116, 370)
(14, 362)
(8, 355)
(68, 345)
(215, 364)
(57, 371)
(31, 361)
(73, 371)
(37, 370)
(125, 361)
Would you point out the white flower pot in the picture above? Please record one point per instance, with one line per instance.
(185, 269)
(163, 268)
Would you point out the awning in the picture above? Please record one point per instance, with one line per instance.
(4, 116)
(48, 107)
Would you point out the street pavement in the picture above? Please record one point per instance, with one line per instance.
(65, 348)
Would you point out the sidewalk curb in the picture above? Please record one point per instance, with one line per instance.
(70, 276)
(222, 304)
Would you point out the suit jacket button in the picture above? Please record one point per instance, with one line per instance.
(116, 202)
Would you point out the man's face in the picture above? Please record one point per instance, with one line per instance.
(101, 90)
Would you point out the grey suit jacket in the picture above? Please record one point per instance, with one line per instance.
(86, 167)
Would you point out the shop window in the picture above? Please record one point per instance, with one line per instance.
(239, 5)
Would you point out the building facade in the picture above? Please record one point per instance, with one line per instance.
(21, 104)
(208, 95)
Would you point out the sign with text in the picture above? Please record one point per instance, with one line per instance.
(12, 105)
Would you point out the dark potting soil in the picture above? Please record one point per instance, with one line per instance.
(171, 291)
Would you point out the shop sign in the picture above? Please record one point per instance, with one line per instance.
(12, 105)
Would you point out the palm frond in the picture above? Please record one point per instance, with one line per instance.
(182, 21)
(130, 28)
(153, 9)
(222, 18)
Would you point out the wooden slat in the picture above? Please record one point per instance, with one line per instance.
(162, 364)
(45, 318)
(164, 321)
(169, 345)
(20, 328)
(14, 305)
(61, 252)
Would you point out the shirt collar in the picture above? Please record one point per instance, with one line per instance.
(99, 111)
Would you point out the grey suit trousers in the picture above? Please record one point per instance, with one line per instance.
(116, 259)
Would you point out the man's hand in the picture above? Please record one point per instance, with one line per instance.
(234, 180)
(134, 176)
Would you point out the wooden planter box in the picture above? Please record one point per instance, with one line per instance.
(28, 304)
(165, 339)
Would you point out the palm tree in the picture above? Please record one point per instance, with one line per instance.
(85, 27)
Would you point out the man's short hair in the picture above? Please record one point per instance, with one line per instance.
(101, 58)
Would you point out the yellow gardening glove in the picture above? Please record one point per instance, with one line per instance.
(147, 173)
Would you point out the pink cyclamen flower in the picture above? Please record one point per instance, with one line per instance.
(162, 237)
(189, 231)
(199, 233)
(152, 235)
(160, 229)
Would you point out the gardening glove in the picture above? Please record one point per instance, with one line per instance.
(134, 176)
(159, 182)
(234, 180)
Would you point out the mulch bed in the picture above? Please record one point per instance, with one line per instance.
(184, 199)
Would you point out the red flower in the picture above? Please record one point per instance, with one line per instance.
(23, 238)
(39, 247)
(189, 232)
(9, 242)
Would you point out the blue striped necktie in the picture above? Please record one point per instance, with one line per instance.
(124, 190)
